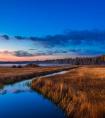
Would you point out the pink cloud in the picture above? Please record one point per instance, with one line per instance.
(9, 57)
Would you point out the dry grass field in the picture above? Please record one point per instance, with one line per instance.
(10, 75)
(80, 92)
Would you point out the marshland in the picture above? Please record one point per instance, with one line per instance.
(77, 91)
(80, 92)
(52, 58)
(16, 91)
(13, 74)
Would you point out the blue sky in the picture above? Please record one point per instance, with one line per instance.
(50, 22)
(43, 17)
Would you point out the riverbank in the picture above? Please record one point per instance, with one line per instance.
(79, 92)
(10, 75)
(33, 106)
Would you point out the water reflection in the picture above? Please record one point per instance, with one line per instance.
(22, 86)
(16, 88)
(19, 101)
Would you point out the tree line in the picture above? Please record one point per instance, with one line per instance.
(79, 60)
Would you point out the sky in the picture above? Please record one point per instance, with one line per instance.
(48, 29)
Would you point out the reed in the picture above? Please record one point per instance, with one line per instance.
(80, 92)
(11, 75)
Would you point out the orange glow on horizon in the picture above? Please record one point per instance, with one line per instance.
(9, 57)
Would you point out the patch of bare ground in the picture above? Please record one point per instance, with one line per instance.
(79, 92)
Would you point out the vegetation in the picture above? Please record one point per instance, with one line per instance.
(14, 66)
(80, 92)
(32, 65)
(79, 61)
(13, 74)
(96, 60)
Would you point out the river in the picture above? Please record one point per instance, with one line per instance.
(20, 101)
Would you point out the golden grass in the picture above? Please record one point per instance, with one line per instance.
(11, 75)
(80, 92)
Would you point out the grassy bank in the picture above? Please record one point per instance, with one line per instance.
(80, 92)
(10, 75)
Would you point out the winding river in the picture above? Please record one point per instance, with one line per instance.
(20, 101)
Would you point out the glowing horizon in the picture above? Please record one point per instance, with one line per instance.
(71, 44)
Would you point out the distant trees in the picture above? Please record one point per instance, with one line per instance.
(79, 61)
(100, 60)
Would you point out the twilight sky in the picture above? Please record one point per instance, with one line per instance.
(46, 29)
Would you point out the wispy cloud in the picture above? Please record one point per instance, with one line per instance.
(22, 53)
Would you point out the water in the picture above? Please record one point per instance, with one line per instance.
(46, 64)
(20, 101)
(10, 65)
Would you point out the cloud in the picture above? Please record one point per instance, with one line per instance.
(22, 53)
(4, 37)
(19, 53)
(20, 37)
(71, 38)
(6, 52)
(76, 42)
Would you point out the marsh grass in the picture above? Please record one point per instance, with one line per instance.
(80, 92)
(12, 75)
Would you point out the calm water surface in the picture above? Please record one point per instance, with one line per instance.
(19, 101)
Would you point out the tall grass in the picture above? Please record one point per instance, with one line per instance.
(80, 92)
(11, 75)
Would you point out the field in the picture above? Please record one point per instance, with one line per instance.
(80, 92)
(10, 75)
